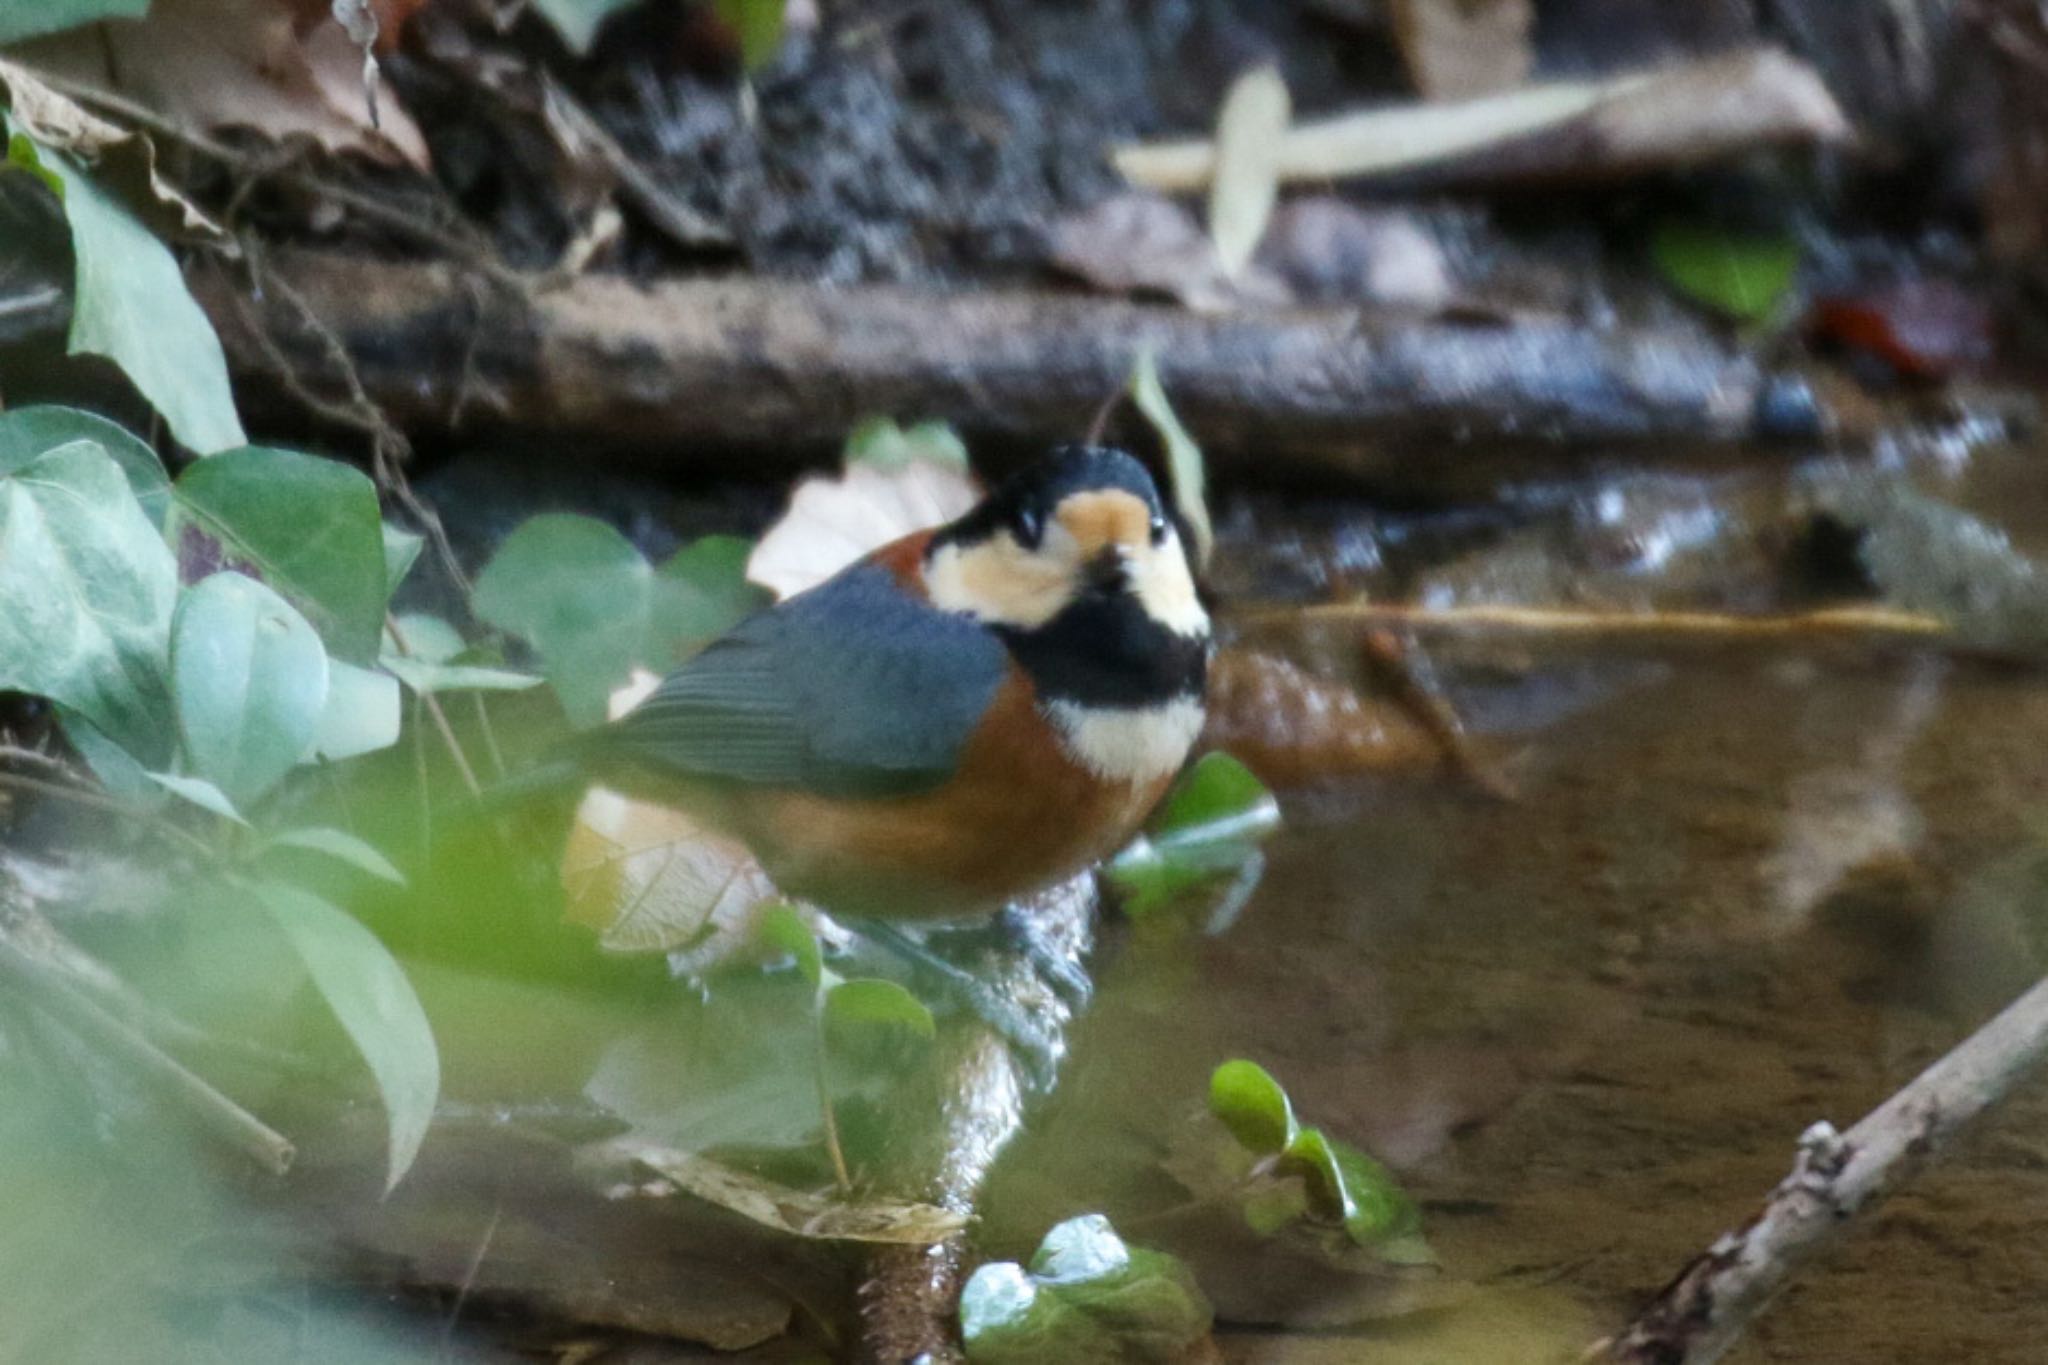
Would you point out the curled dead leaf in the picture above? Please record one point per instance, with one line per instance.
(833, 521)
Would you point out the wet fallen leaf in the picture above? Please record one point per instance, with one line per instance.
(799, 1212)
(1293, 728)
(1087, 1295)
(1923, 329)
(1456, 49)
(1206, 833)
(256, 64)
(1739, 275)
(1249, 130)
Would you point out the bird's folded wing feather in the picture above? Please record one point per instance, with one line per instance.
(853, 688)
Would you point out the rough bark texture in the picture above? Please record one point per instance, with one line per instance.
(759, 375)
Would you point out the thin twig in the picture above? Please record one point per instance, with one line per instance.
(1878, 622)
(1702, 1312)
(215, 1112)
(832, 1147)
(433, 705)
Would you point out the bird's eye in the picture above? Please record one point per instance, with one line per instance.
(1158, 529)
(1028, 526)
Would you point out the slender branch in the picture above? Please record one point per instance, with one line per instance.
(1877, 622)
(214, 1111)
(433, 705)
(1702, 1312)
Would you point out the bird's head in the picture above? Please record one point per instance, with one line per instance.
(1082, 530)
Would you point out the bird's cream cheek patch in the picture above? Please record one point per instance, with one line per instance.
(1137, 745)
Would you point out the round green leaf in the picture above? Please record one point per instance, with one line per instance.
(30, 432)
(784, 929)
(249, 683)
(867, 1004)
(361, 715)
(1739, 275)
(1253, 1106)
(579, 591)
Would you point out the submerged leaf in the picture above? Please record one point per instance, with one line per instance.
(249, 683)
(799, 1212)
(1741, 276)
(1087, 1296)
(375, 1005)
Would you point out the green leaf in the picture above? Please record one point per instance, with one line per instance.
(873, 1005)
(880, 442)
(1739, 275)
(578, 20)
(431, 663)
(1253, 1106)
(1348, 1187)
(1088, 1296)
(594, 608)
(86, 593)
(130, 304)
(308, 527)
(1189, 481)
(783, 928)
(30, 18)
(401, 552)
(361, 715)
(249, 682)
(759, 26)
(375, 1005)
(116, 768)
(26, 433)
(200, 793)
(341, 846)
(1207, 830)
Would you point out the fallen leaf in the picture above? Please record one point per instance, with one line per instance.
(1456, 49)
(1293, 728)
(238, 64)
(831, 521)
(802, 1213)
(1923, 329)
(1144, 243)
(1739, 275)
(1329, 250)
(1249, 131)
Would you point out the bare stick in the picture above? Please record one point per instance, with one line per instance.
(215, 1112)
(1700, 1314)
(1856, 622)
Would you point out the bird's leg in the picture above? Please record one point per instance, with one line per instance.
(1038, 1049)
(1057, 967)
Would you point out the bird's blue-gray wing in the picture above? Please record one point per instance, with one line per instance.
(853, 688)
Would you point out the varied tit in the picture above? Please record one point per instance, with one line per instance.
(963, 717)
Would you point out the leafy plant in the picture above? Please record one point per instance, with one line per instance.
(50, 16)
(1087, 1295)
(1299, 1172)
(594, 607)
(1206, 832)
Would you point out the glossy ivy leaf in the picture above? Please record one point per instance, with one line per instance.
(759, 26)
(116, 768)
(307, 527)
(1742, 276)
(783, 928)
(871, 1005)
(361, 715)
(594, 608)
(31, 18)
(200, 793)
(86, 594)
(878, 441)
(374, 1003)
(130, 305)
(249, 683)
(27, 433)
(401, 552)
(1207, 829)
(341, 846)
(1087, 1296)
(1253, 1106)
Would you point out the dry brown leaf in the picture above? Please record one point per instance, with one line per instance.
(1457, 49)
(1148, 244)
(827, 1217)
(1671, 117)
(833, 521)
(238, 64)
(1249, 132)
(124, 162)
(1293, 728)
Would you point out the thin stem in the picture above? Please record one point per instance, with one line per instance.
(1880, 622)
(832, 1146)
(433, 705)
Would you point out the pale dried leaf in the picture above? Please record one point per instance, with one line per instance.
(1677, 116)
(1249, 134)
(1457, 49)
(825, 1217)
(1146, 243)
(238, 64)
(831, 522)
(124, 161)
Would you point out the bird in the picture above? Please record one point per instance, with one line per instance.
(969, 714)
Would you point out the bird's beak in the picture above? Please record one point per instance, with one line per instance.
(1107, 572)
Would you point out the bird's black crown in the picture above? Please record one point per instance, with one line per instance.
(1024, 502)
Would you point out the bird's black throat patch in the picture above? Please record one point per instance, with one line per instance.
(1103, 650)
